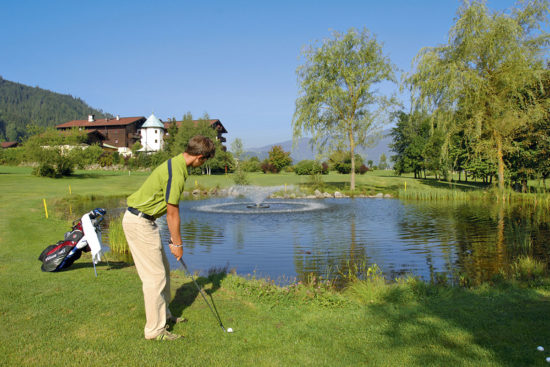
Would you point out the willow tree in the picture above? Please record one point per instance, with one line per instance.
(485, 81)
(338, 105)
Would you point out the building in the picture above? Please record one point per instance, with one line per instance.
(119, 132)
(152, 134)
(123, 132)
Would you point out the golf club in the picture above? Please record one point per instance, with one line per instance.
(216, 315)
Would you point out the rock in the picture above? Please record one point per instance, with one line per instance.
(318, 194)
(196, 192)
(327, 195)
(338, 194)
(379, 195)
(387, 196)
(311, 197)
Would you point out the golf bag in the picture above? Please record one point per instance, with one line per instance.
(85, 235)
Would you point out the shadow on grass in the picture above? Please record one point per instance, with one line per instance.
(187, 293)
(461, 185)
(111, 265)
(92, 175)
(470, 325)
(359, 187)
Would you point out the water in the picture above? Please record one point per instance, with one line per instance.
(293, 239)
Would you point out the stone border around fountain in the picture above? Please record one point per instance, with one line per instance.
(197, 193)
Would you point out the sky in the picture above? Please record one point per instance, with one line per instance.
(234, 60)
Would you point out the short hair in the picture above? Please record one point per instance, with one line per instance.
(201, 145)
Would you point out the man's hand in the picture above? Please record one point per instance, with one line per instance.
(176, 251)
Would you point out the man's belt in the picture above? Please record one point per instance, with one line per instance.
(140, 214)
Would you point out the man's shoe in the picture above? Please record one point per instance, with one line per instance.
(166, 335)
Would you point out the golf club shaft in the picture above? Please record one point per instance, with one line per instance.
(216, 315)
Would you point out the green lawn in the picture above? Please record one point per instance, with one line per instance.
(74, 318)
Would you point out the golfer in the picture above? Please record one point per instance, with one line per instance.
(160, 194)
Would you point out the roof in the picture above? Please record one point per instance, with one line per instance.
(9, 144)
(153, 121)
(213, 123)
(100, 122)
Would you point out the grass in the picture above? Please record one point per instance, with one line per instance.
(73, 318)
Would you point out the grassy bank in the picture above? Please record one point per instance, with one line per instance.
(73, 318)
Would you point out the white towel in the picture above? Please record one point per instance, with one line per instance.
(93, 238)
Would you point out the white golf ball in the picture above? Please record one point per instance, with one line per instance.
(540, 349)
(548, 359)
(229, 330)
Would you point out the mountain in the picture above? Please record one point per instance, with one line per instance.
(21, 105)
(303, 149)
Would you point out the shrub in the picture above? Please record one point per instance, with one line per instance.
(106, 160)
(240, 177)
(268, 167)
(251, 165)
(44, 170)
(528, 269)
(363, 169)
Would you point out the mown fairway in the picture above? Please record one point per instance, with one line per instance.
(73, 318)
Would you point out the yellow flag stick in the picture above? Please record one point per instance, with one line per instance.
(45, 208)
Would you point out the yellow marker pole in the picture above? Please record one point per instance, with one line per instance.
(405, 185)
(196, 183)
(45, 208)
(285, 187)
(70, 191)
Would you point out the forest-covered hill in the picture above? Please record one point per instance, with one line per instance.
(22, 106)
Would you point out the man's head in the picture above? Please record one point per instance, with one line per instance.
(200, 146)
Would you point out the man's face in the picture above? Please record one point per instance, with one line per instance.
(199, 161)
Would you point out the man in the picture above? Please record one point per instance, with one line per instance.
(160, 194)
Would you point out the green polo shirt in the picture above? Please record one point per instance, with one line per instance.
(158, 189)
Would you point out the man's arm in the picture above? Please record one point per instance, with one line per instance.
(173, 221)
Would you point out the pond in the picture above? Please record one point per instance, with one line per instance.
(291, 240)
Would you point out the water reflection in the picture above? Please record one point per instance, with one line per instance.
(429, 240)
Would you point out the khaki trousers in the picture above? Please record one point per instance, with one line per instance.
(153, 269)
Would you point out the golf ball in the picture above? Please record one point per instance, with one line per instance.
(540, 349)
(229, 330)
(548, 359)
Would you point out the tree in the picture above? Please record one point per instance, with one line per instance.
(278, 159)
(383, 164)
(338, 104)
(410, 136)
(486, 77)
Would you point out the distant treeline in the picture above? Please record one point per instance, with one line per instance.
(25, 110)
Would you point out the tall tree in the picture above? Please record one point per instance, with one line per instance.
(487, 74)
(338, 103)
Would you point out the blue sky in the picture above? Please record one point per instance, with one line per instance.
(235, 60)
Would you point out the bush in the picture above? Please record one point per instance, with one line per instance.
(11, 156)
(342, 167)
(305, 167)
(44, 170)
(363, 169)
(310, 167)
(240, 177)
(251, 165)
(106, 160)
(268, 167)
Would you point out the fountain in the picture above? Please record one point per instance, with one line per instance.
(256, 203)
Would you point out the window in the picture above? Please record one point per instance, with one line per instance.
(156, 131)
(155, 140)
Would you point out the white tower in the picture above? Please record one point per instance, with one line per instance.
(152, 132)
